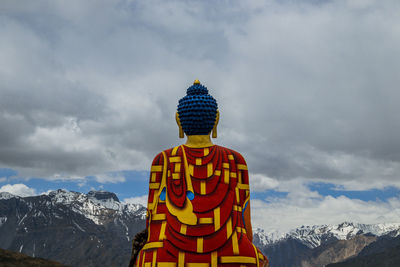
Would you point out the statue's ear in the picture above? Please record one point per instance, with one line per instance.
(181, 134)
(214, 130)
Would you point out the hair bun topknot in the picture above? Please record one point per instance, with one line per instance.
(197, 89)
(197, 110)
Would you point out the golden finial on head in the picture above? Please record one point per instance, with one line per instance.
(196, 82)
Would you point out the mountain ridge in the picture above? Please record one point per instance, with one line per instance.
(315, 235)
(97, 229)
(319, 245)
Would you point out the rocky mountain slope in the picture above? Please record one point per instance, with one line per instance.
(76, 229)
(384, 252)
(321, 245)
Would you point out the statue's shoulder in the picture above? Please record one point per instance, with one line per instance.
(236, 155)
(160, 156)
(169, 150)
(158, 159)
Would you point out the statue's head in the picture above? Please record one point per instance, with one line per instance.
(197, 111)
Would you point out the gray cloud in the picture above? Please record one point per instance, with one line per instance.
(305, 89)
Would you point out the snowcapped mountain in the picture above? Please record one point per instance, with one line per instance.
(95, 205)
(76, 229)
(6, 195)
(314, 236)
(320, 245)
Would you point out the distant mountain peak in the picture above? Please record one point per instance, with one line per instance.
(95, 205)
(102, 195)
(6, 195)
(314, 236)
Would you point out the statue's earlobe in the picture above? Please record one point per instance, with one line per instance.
(214, 130)
(181, 133)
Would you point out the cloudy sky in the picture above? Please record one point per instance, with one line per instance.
(307, 90)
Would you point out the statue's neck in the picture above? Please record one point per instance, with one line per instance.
(199, 141)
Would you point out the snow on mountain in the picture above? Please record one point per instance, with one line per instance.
(314, 236)
(265, 239)
(96, 205)
(105, 199)
(6, 195)
(2, 220)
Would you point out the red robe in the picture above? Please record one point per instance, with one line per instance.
(195, 210)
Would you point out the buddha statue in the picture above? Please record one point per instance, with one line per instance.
(198, 211)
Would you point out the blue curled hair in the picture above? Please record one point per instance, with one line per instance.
(197, 111)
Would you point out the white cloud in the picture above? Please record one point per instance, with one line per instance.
(46, 192)
(137, 200)
(260, 182)
(110, 178)
(18, 190)
(305, 207)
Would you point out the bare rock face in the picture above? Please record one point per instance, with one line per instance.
(385, 252)
(338, 251)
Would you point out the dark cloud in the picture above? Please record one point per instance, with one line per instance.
(305, 89)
